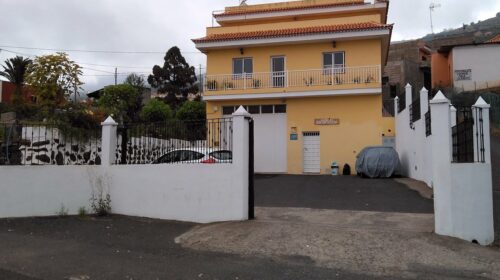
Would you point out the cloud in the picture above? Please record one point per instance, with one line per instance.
(157, 25)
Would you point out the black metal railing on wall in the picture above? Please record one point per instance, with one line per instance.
(428, 124)
(415, 114)
(401, 103)
(174, 141)
(49, 144)
(463, 142)
(480, 135)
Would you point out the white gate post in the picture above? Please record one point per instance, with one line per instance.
(108, 142)
(441, 163)
(424, 102)
(241, 157)
(408, 97)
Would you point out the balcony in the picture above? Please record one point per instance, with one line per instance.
(338, 78)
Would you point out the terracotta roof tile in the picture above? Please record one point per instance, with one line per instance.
(496, 39)
(294, 32)
(290, 8)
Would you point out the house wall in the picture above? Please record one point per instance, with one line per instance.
(299, 57)
(482, 60)
(441, 69)
(314, 21)
(361, 125)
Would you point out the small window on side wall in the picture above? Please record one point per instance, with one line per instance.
(334, 62)
(227, 110)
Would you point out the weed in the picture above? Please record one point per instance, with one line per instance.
(63, 211)
(82, 212)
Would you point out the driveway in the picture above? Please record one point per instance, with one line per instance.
(340, 193)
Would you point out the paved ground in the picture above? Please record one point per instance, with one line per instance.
(132, 248)
(378, 244)
(341, 193)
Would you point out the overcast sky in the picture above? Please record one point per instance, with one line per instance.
(156, 25)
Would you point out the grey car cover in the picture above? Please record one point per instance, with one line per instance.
(378, 162)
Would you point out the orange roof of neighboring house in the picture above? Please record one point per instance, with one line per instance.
(366, 26)
(289, 8)
(496, 39)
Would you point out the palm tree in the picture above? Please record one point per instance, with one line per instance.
(14, 70)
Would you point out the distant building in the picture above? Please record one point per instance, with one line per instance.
(467, 67)
(7, 90)
(408, 62)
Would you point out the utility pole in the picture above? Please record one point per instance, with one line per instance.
(116, 76)
(433, 6)
(201, 81)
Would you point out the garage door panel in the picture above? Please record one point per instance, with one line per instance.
(270, 143)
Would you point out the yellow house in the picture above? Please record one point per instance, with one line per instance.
(309, 72)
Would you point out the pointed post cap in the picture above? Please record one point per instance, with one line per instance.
(241, 112)
(439, 98)
(453, 109)
(424, 90)
(109, 121)
(480, 103)
(396, 98)
(408, 85)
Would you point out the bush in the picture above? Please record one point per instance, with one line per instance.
(156, 111)
(191, 110)
(120, 101)
(82, 211)
(101, 205)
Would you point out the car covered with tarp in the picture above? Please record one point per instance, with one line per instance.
(378, 162)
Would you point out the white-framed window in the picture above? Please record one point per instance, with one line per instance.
(334, 62)
(242, 66)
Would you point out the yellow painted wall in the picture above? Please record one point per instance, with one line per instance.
(298, 57)
(298, 23)
(361, 125)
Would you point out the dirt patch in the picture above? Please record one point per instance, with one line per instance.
(382, 244)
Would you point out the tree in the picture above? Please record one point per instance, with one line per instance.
(156, 111)
(53, 78)
(120, 102)
(191, 110)
(14, 71)
(135, 80)
(176, 78)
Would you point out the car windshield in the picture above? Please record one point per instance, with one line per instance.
(222, 155)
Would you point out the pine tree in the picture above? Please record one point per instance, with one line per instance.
(176, 78)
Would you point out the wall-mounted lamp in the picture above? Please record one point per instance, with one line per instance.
(334, 44)
(215, 108)
(241, 51)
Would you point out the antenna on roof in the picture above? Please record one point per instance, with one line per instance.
(433, 6)
(243, 2)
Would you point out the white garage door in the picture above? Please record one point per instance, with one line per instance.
(311, 152)
(270, 131)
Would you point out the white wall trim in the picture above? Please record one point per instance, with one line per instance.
(298, 12)
(318, 93)
(296, 39)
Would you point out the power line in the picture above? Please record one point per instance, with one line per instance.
(95, 51)
(86, 63)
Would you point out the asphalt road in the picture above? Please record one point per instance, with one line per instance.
(131, 248)
(339, 192)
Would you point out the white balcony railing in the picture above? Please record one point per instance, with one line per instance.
(333, 77)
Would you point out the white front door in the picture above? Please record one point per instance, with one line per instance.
(311, 142)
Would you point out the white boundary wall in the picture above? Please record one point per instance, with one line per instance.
(463, 195)
(186, 192)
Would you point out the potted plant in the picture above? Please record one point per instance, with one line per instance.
(212, 85)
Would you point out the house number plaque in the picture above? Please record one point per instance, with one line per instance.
(328, 121)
